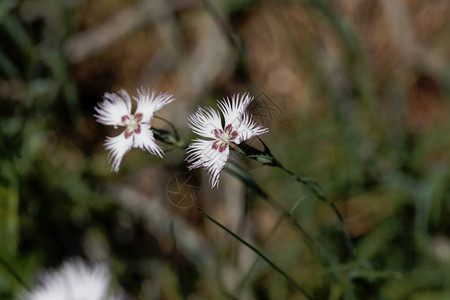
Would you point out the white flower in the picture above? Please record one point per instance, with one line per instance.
(212, 154)
(74, 281)
(115, 110)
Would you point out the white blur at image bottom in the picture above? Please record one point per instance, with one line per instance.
(75, 280)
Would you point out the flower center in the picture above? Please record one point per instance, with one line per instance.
(223, 137)
(132, 123)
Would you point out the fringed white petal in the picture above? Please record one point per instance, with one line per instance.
(75, 280)
(204, 121)
(146, 141)
(117, 146)
(233, 108)
(201, 154)
(149, 103)
(113, 108)
(248, 128)
(238, 126)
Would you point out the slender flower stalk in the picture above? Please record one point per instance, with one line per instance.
(267, 158)
(315, 188)
(314, 246)
(247, 274)
(325, 256)
(242, 175)
(115, 110)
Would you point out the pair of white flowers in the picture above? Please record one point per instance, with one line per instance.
(211, 153)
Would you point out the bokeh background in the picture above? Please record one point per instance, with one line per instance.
(361, 90)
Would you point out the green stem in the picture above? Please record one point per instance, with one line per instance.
(275, 205)
(323, 253)
(247, 274)
(314, 246)
(266, 158)
(312, 186)
(245, 278)
(265, 258)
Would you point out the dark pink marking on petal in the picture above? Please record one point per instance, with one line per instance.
(228, 128)
(138, 117)
(128, 134)
(124, 118)
(217, 133)
(233, 136)
(222, 147)
(138, 129)
(215, 145)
